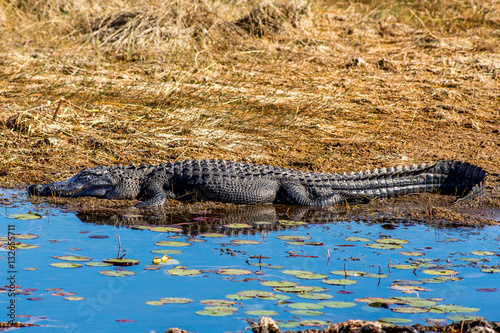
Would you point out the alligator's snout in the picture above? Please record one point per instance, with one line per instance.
(35, 189)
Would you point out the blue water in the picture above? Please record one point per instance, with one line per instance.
(108, 299)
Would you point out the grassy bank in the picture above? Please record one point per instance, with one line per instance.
(323, 86)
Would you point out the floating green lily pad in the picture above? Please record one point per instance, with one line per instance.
(65, 265)
(184, 272)
(405, 266)
(237, 226)
(290, 223)
(218, 302)
(483, 253)
(166, 251)
(165, 229)
(491, 270)
(121, 262)
(440, 272)
(288, 324)
(338, 304)
(73, 258)
(316, 323)
(415, 301)
(156, 303)
(26, 236)
(339, 282)
(391, 241)
(357, 239)
(244, 242)
(261, 313)
(278, 283)
(23, 246)
(451, 308)
(306, 312)
(470, 259)
(315, 296)
(217, 311)
(255, 293)
(213, 235)
(74, 298)
(28, 216)
(409, 309)
(380, 246)
(293, 237)
(295, 289)
(412, 254)
(464, 317)
(121, 273)
(175, 300)
(172, 243)
(348, 273)
(233, 271)
(237, 297)
(376, 276)
(395, 320)
(97, 264)
(375, 299)
(306, 306)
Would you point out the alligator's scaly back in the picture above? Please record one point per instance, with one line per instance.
(243, 183)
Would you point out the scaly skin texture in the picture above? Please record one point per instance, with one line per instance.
(242, 183)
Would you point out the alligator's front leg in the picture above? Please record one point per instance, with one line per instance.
(155, 190)
(296, 194)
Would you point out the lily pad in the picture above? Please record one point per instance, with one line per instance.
(165, 229)
(244, 242)
(237, 226)
(73, 258)
(26, 236)
(391, 241)
(184, 272)
(306, 306)
(218, 302)
(451, 308)
(315, 296)
(172, 243)
(440, 272)
(415, 301)
(409, 309)
(156, 303)
(23, 246)
(483, 253)
(28, 216)
(97, 264)
(339, 282)
(278, 283)
(290, 223)
(316, 323)
(348, 273)
(175, 300)
(166, 251)
(255, 293)
(357, 239)
(380, 246)
(121, 273)
(66, 265)
(412, 254)
(395, 320)
(405, 266)
(74, 298)
(293, 237)
(213, 235)
(219, 311)
(306, 312)
(261, 313)
(491, 270)
(237, 297)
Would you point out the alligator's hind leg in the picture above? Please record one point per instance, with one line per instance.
(296, 194)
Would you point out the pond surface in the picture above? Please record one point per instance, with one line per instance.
(404, 272)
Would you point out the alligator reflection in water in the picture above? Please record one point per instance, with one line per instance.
(260, 217)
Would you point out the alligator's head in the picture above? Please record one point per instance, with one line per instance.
(101, 182)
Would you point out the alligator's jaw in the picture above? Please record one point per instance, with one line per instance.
(67, 188)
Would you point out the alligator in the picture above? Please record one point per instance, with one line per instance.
(242, 183)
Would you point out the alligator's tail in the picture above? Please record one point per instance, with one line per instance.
(457, 178)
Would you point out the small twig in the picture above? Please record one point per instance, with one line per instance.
(345, 272)
(57, 109)
(119, 247)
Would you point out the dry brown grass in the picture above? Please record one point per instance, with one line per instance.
(324, 86)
